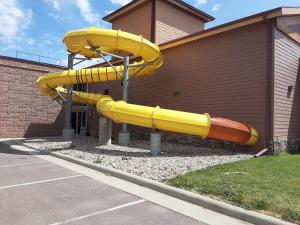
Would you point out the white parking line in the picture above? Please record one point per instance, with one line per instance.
(22, 164)
(39, 182)
(99, 212)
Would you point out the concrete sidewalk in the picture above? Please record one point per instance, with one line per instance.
(41, 189)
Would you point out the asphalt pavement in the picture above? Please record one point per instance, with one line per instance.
(37, 191)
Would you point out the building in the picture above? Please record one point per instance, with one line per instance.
(24, 112)
(245, 70)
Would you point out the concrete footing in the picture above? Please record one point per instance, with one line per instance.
(155, 144)
(104, 131)
(124, 138)
(68, 134)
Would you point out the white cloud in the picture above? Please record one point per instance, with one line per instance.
(86, 11)
(200, 2)
(30, 41)
(53, 39)
(120, 2)
(108, 12)
(216, 7)
(55, 16)
(13, 21)
(55, 4)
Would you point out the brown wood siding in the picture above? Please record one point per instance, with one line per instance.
(224, 75)
(173, 23)
(24, 112)
(286, 73)
(137, 22)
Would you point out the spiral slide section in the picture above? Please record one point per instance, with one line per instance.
(86, 41)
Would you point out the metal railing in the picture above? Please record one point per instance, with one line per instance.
(39, 58)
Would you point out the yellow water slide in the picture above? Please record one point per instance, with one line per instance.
(89, 42)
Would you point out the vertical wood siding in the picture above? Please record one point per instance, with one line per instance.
(224, 75)
(137, 22)
(172, 23)
(286, 73)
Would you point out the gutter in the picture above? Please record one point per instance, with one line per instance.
(153, 21)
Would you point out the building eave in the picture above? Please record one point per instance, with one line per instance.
(178, 3)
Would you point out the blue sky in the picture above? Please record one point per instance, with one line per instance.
(38, 26)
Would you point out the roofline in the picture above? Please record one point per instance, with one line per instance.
(273, 13)
(179, 3)
(197, 11)
(32, 62)
(119, 11)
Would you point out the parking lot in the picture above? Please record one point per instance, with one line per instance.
(36, 191)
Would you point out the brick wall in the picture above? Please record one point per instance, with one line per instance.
(24, 112)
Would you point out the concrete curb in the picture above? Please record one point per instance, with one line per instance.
(203, 201)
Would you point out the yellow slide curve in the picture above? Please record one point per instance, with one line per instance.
(85, 41)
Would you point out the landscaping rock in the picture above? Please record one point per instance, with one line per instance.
(175, 159)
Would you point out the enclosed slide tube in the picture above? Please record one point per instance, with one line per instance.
(90, 43)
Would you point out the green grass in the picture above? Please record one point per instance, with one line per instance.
(98, 160)
(269, 184)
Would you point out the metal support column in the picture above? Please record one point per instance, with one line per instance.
(124, 135)
(68, 132)
(125, 87)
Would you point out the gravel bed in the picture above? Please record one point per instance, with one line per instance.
(175, 159)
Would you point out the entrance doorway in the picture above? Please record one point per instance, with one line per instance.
(79, 113)
(79, 123)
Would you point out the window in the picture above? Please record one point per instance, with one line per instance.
(80, 87)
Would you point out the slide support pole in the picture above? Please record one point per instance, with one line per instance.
(68, 132)
(125, 87)
(124, 136)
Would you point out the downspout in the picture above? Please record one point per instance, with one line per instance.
(270, 86)
(153, 21)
